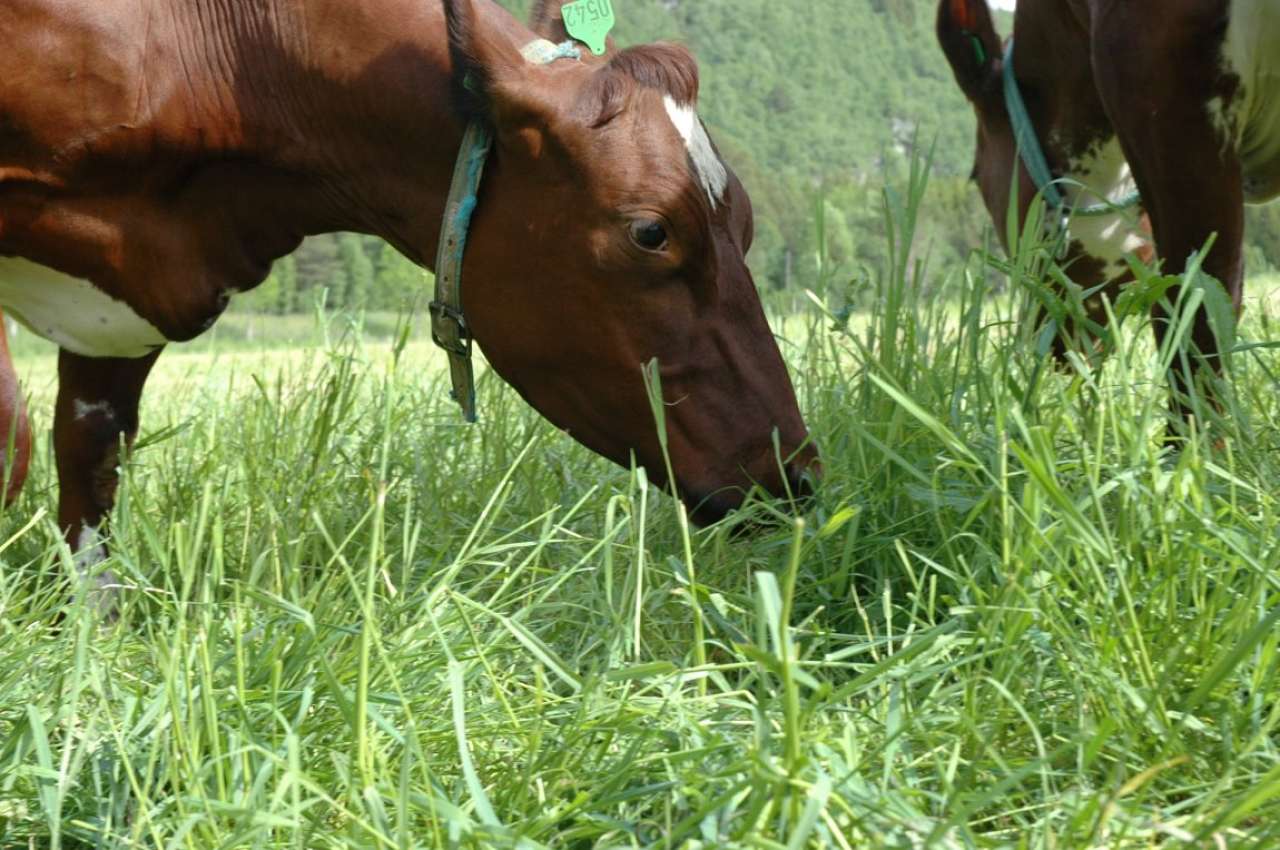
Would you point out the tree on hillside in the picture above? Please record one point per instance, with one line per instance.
(399, 282)
(358, 270)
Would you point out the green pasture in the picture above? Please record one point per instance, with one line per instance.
(1016, 616)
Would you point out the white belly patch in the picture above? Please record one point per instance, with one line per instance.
(73, 313)
(1252, 53)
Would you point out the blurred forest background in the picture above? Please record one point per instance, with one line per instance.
(817, 105)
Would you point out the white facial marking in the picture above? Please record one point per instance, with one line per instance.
(84, 409)
(1251, 121)
(73, 313)
(710, 171)
(682, 116)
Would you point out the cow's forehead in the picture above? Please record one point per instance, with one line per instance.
(708, 168)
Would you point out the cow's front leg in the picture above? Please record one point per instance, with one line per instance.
(97, 406)
(1171, 106)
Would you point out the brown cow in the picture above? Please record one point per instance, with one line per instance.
(157, 157)
(1180, 98)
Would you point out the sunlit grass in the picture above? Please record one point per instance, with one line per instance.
(1017, 615)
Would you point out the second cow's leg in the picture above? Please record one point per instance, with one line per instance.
(1158, 92)
(97, 406)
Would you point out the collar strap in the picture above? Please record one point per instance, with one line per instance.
(1033, 158)
(449, 328)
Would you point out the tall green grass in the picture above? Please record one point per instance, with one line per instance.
(1017, 616)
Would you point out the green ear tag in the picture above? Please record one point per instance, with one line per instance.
(979, 51)
(590, 21)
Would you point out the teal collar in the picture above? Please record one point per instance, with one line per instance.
(449, 328)
(1033, 157)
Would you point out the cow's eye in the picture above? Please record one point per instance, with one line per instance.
(649, 234)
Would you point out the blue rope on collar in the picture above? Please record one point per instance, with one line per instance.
(475, 153)
(544, 52)
(475, 148)
(1032, 153)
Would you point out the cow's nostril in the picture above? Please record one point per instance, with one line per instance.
(802, 480)
(795, 481)
(804, 472)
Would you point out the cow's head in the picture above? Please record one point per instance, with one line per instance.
(1078, 141)
(609, 232)
(969, 40)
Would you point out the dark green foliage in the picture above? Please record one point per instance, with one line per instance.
(356, 272)
(358, 269)
(398, 281)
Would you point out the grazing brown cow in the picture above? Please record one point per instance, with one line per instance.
(1178, 98)
(157, 157)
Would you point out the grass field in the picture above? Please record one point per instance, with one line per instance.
(1015, 617)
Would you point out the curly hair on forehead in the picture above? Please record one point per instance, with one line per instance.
(668, 68)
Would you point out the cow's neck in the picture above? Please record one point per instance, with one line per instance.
(1055, 73)
(286, 118)
(368, 117)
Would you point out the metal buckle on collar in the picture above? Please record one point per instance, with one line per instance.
(441, 312)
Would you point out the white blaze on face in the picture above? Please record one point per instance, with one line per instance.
(707, 167)
(73, 313)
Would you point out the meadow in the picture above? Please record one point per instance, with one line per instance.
(1023, 611)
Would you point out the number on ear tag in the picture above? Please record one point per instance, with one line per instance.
(590, 22)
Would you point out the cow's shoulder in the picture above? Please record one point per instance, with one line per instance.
(109, 80)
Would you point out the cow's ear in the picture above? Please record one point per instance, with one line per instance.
(968, 38)
(491, 73)
(499, 78)
(547, 20)
(482, 58)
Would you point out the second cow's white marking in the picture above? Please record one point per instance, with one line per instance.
(1104, 175)
(89, 548)
(73, 313)
(707, 166)
(85, 409)
(1251, 122)
(101, 594)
